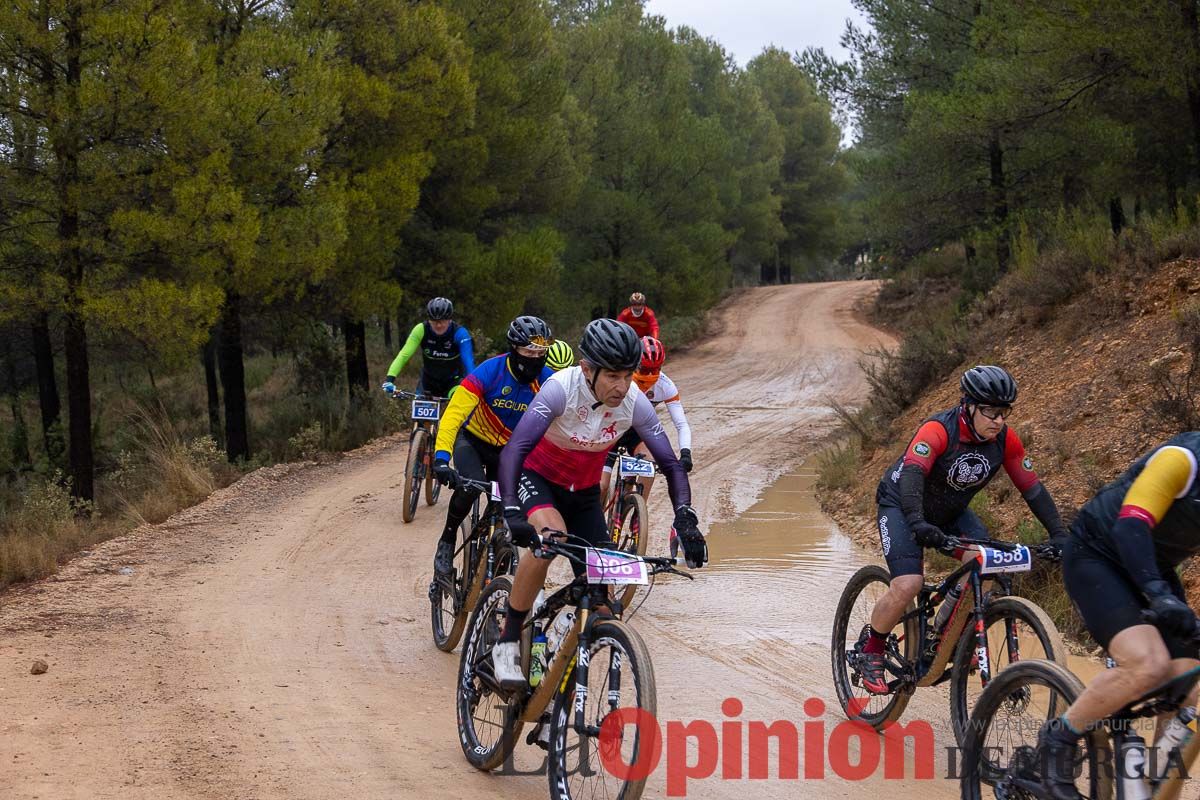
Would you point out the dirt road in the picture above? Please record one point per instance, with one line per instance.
(273, 642)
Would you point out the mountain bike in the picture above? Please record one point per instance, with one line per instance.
(599, 658)
(1006, 630)
(485, 552)
(628, 518)
(418, 467)
(1113, 756)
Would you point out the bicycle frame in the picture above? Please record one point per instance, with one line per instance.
(970, 607)
(482, 560)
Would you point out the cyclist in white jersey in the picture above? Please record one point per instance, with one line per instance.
(659, 389)
(550, 469)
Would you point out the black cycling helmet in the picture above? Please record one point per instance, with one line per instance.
(526, 330)
(989, 386)
(611, 345)
(439, 308)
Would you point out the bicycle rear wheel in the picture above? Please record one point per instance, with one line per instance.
(447, 615)
(1036, 638)
(1000, 750)
(412, 474)
(850, 625)
(632, 534)
(488, 722)
(604, 759)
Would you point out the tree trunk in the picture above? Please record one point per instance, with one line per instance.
(999, 202)
(208, 355)
(66, 140)
(79, 407)
(19, 444)
(233, 379)
(358, 381)
(1116, 215)
(387, 333)
(1191, 24)
(48, 399)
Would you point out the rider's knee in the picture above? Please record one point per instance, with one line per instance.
(1149, 670)
(906, 587)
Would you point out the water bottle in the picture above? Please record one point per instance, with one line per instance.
(1176, 735)
(537, 659)
(1132, 757)
(943, 613)
(559, 630)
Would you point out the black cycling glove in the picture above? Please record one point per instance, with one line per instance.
(686, 533)
(523, 534)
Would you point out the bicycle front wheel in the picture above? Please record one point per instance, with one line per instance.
(631, 535)
(413, 474)
(1036, 637)
(1000, 747)
(608, 757)
(850, 626)
(488, 724)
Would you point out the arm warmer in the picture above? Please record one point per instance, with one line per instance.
(912, 493)
(648, 426)
(1042, 505)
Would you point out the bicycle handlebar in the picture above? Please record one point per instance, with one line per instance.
(404, 394)
(548, 543)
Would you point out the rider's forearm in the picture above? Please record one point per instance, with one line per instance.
(675, 409)
(411, 346)
(1042, 505)
(547, 404)
(457, 411)
(912, 493)
(646, 423)
(1135, 547)
(466, 351)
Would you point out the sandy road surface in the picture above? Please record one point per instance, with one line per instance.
(273, 642)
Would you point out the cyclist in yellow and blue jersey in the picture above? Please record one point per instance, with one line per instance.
(481, 416)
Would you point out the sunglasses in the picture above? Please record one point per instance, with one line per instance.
(647, 373)
(995, 412)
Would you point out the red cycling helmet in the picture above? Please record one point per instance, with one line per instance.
(653, 354)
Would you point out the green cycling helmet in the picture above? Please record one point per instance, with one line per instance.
(560, 356)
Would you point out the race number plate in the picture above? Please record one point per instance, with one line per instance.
(615, 567)
(496, 491)
(426, 410)
(994, 560)
(637, 466)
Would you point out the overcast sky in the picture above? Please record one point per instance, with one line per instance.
(745, 27)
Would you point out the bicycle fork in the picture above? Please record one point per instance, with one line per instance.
(982, 656)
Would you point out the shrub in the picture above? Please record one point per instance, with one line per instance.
(925, 356)
(1176, 378)
(838, 466)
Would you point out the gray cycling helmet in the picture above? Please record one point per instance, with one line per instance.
(989, 386)
(611, 345)
(439, 308)
(527, 330)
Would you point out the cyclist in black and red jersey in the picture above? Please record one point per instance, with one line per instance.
(926, 493)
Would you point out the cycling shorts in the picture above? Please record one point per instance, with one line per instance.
(904, 556)
(581, 510)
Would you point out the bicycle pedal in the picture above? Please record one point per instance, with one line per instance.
(540, 735)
